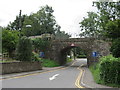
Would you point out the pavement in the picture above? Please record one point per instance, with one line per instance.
(86, 81)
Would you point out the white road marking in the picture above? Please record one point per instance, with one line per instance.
(53, 77)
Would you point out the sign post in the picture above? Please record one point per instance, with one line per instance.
(94, 54)
(42, 54)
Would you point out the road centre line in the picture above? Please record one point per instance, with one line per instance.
(77, 82)
(37, 73)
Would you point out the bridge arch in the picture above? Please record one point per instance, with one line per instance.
(58, 48)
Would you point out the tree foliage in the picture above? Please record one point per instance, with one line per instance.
(9, 40)
(41, 22)
(115, 49)
(17, 24)
(113, 29)
(89, 26)
(108, 12)
(106, 24)
(40, 45)
(61, 35)
(24, 49)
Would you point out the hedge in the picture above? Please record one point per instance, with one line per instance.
(81, 56)
(110, 69)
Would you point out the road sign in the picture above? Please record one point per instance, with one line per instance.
(94, 54)
(42, 54)
(72, 44)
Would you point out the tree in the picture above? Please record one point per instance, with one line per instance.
(115, 48)
(40, 45)
(110, 23)
(108, 11)
(113, 29)
(47, 20)
(96, 23)
(42, 22)
(61, 35)
(17, 24)
(35, 26)
(113, 32)
(9, 41)
(89, 26)
(24, 49)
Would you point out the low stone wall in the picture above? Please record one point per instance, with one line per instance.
(15, 67)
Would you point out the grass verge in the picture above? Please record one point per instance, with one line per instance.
(49, 63)
(69, 60)
(45, 62)
(8, 60)
(95, 72)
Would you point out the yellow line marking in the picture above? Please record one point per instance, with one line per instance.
(73, 63)
(77, 82)
(37, 72)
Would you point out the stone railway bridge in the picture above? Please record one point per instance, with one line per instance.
(58, 49)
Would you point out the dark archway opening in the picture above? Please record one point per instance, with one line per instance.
(73, 52)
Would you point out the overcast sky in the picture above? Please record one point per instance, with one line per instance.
(68, 13)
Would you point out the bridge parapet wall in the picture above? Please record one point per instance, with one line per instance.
(75, 40)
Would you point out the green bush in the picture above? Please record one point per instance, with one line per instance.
(81, 56)
(40, 45)
(35, 57)
(115, 49)
(24, 49)
(49, 63)
(69, 60)
(9, 41)
(110, 69)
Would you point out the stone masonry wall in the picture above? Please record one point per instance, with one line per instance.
(15, 67)
(89, 45)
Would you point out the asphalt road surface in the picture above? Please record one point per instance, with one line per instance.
(61, 78)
